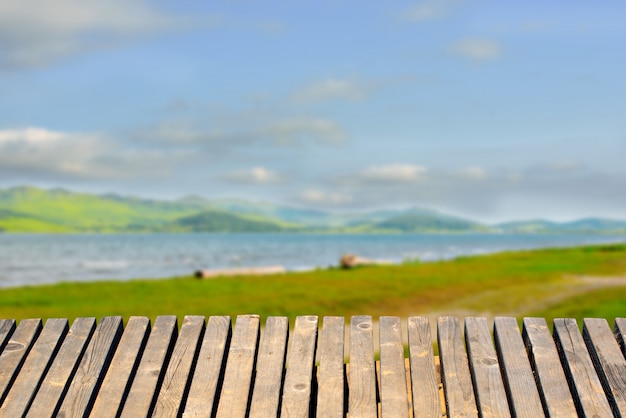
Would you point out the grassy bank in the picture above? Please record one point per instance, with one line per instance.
(551, 282)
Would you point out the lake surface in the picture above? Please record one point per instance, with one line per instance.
(48, 258)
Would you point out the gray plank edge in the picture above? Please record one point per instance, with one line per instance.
(584, 383)
(16, 351)
(620, 333)
(608, 360)
(209, 369)
(300, 365)
(56, 382)
(119, 375)
(235, 396)
(34, 368)
(519, 380)
(424, 378)
(270, 368)
(176, 380)
(151, 371)
(90, 373)
(7, 326)
(455, 374)
(393, 387)
(549, 375)
(362, 399)
(331, 376)
(491, 397)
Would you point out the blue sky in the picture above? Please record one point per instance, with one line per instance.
(491, 110)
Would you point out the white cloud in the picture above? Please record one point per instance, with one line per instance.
(76, 155)
(331, 89)
(475, 172)
(431, 10)
(316, 197)
(477, 49)
(290, 130)
(258, 175)
(35, 33)
(394, 173)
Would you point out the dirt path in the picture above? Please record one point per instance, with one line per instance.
(575, 285)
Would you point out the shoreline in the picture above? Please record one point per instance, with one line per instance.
(140, 257)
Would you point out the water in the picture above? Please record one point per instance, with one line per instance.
(48, 258)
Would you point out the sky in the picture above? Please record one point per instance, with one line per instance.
(490, 110)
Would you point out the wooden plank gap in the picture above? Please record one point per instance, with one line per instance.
(15, 353)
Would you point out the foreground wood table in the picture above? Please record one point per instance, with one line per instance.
(212, 368)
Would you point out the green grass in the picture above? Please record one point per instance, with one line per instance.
(513, 283)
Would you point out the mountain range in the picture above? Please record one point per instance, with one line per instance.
(32, 209)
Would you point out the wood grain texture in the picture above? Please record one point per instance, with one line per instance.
(455, 374)
(583, 380)
(34, 368)
(270, 368)
(92, 367)
(240, 364)
(15, 352)
(331, 378)
(549, 375)
(620, 333)
(300, 366)
(175, 383)
(424, 380)
(362, 379)
(145, 386)
(48, 399)
(209, 370)
(393, 388)
(524, 399)
(610, 364)
(489, 390)
(123, 366)
(7, 326)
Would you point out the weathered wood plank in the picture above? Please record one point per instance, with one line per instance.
(455, 374)
(57, 380)
(151, 370)
(549, 375)
(331, 379)
(583, 380)
(7, 326)
(489, 388)
(240, 364)
(620, 333)
(519, 380)
(209, 370)
(122, 369)
(15, 352)
(300, 366)
(424, 380)
(609, 361)
(393, 389)
(175, 382)
(90, 373)
(270, 367)
(362, 380)
(34, 368)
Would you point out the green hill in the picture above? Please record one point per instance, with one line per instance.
(425, 221)
(214, 221)
(30, 209)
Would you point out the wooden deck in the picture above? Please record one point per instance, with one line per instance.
(208, 368)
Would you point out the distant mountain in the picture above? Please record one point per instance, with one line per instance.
(214, 221)
(425, 221)
(582, 226)
(31, 209)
